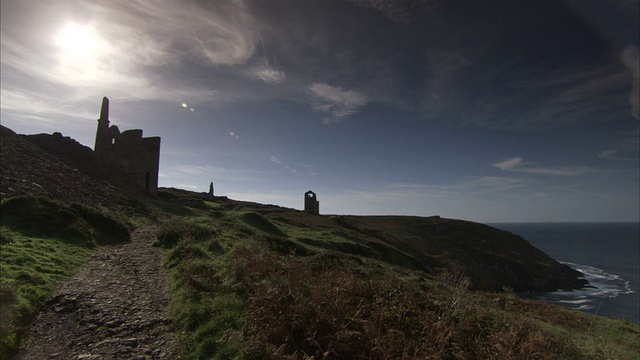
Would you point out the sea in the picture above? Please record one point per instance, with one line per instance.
(607, 254)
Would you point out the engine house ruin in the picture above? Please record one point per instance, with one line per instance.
(138, 157)
(311, 203)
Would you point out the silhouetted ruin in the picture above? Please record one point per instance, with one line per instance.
(137, 157)
(311, 204)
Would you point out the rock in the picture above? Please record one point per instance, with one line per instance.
(114, 323)
(131, 342)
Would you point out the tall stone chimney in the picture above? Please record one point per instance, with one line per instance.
(102, 135)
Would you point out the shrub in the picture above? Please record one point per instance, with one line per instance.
(44, 217)
(176, 230)
(321, 308)
(261, 223)
(109, 228)
(185, 253)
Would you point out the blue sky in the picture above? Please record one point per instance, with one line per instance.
(503, 112)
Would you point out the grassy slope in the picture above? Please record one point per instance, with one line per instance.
(256, 281)
(253, 281)
(42, 242)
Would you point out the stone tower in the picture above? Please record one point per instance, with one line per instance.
(311, 203)
(136, 156)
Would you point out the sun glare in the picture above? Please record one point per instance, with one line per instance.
(78, 41)
(81, 53)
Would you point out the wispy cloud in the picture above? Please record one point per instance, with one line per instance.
(337, 102)
(221, 32)
(508, 164)
(517, 164)
(275, 160)
(546, 98)
(613, 154)
(402, 12)
(130, 42)
(426, 199)
(199, 169)
(269, 75)
(182, 171)
(631, 59)
(15, 100)
(474, 184)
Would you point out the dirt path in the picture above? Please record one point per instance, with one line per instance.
(114, 308)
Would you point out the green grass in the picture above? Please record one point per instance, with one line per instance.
(261, 223)
(42, 242)
(250, 281)
(31, 268)
(249, 289)
(41, 216)
(208, 312)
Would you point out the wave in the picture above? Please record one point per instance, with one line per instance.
(577, 302)
(602, 285)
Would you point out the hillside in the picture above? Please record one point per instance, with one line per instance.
(249, 280)
(26, 168)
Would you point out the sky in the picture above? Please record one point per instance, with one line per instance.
(500, 111)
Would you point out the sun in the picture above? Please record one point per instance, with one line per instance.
(82, 53)
(78, 41)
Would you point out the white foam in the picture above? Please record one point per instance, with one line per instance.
(603, 284)
(576, 302)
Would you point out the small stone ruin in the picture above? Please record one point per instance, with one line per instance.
(311, 203)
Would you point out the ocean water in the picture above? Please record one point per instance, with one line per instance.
(608, 254)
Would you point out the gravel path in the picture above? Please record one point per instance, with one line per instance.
(115, 307)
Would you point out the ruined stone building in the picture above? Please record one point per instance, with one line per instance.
(311, 203)
(138, 157)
